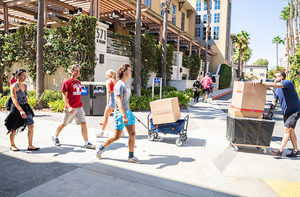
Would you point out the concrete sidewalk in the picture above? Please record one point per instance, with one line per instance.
(204, 166)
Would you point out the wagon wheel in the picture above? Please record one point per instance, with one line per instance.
(264, 150)
(179, 142)
(184, 137)
(155, 135)
(236, 148)
(151, 136)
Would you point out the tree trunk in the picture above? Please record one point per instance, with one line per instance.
(206, 68)
(39, 67)
(239, 62)
(137, 68)
(164, 47)
(287, 42)
(1, 82)
(296, 23)
(277, 53)
(291, 28)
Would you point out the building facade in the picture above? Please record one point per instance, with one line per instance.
(220, 22)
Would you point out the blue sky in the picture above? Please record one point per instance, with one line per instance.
(261, 19)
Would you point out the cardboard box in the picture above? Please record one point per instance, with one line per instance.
(248, 98)
(165, 110)
(244, 114)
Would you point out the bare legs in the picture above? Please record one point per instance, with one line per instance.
(12, 135)
(287, 134)
(108, 111)
(83, 130)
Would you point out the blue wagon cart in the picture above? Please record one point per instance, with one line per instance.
(177, 128)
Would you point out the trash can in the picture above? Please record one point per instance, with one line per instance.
(249, 131)
(93, 98)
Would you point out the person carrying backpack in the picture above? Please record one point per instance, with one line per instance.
(206, 81)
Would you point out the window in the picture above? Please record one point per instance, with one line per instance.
(205, 20)
(251, 69)
(217, 18)
(182, 21)
(198, 19)
(217, 4)
(161, 9)
(198, 5)
(148, 3)
(216, 33)
(205, 5)
(197, 32)
(173, 14)
(204, 33)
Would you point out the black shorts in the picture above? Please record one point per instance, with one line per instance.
(206, 91)
(290, 120)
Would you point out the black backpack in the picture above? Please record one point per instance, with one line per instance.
(8, 104)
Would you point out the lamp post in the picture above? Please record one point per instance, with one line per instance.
(166, 10)
(137, 61)
(39, 66)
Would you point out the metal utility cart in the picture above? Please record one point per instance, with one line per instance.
(179, 127)
(249, 132)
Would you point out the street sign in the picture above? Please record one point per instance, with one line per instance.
(157, 80)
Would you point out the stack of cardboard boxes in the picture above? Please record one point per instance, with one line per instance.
(248, 101)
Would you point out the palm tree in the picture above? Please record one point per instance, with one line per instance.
(291, 16)
(137, 68)
(296, 22)
(277, 40)
(242, 44)
(207, 34)
(39, 67)
(285, 16)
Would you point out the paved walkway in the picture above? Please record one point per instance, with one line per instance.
(204, 166)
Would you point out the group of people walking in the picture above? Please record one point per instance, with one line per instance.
(207, 84)
(118, 95)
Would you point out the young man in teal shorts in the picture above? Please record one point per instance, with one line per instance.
(123, 115)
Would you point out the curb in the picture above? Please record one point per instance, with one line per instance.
(215, 97)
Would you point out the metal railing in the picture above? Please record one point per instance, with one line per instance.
(116, 47)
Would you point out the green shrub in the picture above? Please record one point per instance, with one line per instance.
(2, 102)
(57, 106)
(156, 90)
(225, 76)
(32, 101)
(49, 96)
(31, 93)
(6, 90)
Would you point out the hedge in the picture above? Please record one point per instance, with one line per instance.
(225, 76)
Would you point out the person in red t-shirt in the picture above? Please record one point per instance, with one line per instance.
(206, 81)
(71, 89)
(13, 79)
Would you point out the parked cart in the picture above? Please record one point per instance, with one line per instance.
(249, 132)
(178, 128)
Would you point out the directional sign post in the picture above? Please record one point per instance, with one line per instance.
(157, 82)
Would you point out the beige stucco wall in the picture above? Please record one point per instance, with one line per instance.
(52, 82)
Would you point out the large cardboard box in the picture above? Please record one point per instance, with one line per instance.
(165, 110)
(244, 114)
(248, 98)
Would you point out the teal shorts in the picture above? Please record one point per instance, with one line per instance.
(119, 124)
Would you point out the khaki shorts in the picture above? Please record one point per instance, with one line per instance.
(78, 115)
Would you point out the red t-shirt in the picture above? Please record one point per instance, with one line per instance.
(73, 88)
(12, 81)
(206, 81)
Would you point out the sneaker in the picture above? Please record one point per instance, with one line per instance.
(276, 152)
(99, 153)
(55, 141)
(99, 134)
(90, 146)
(134, 160)
(293, 154)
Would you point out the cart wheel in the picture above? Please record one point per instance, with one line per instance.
(230, 145)
(184, 137)
(264, 150)
(151, 136)
(155, 135)
(236, 148)
(257, 147)
(179, 142)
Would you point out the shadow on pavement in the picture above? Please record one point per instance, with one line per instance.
(18, 176)
(166, 160)
(58, 150)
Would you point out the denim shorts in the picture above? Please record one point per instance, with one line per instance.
(212, 85)
(112, 101)
(119, 124)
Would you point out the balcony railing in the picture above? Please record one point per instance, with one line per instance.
(116, 47)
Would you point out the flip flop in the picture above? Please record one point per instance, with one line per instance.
(33, 149)
(14, 149)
